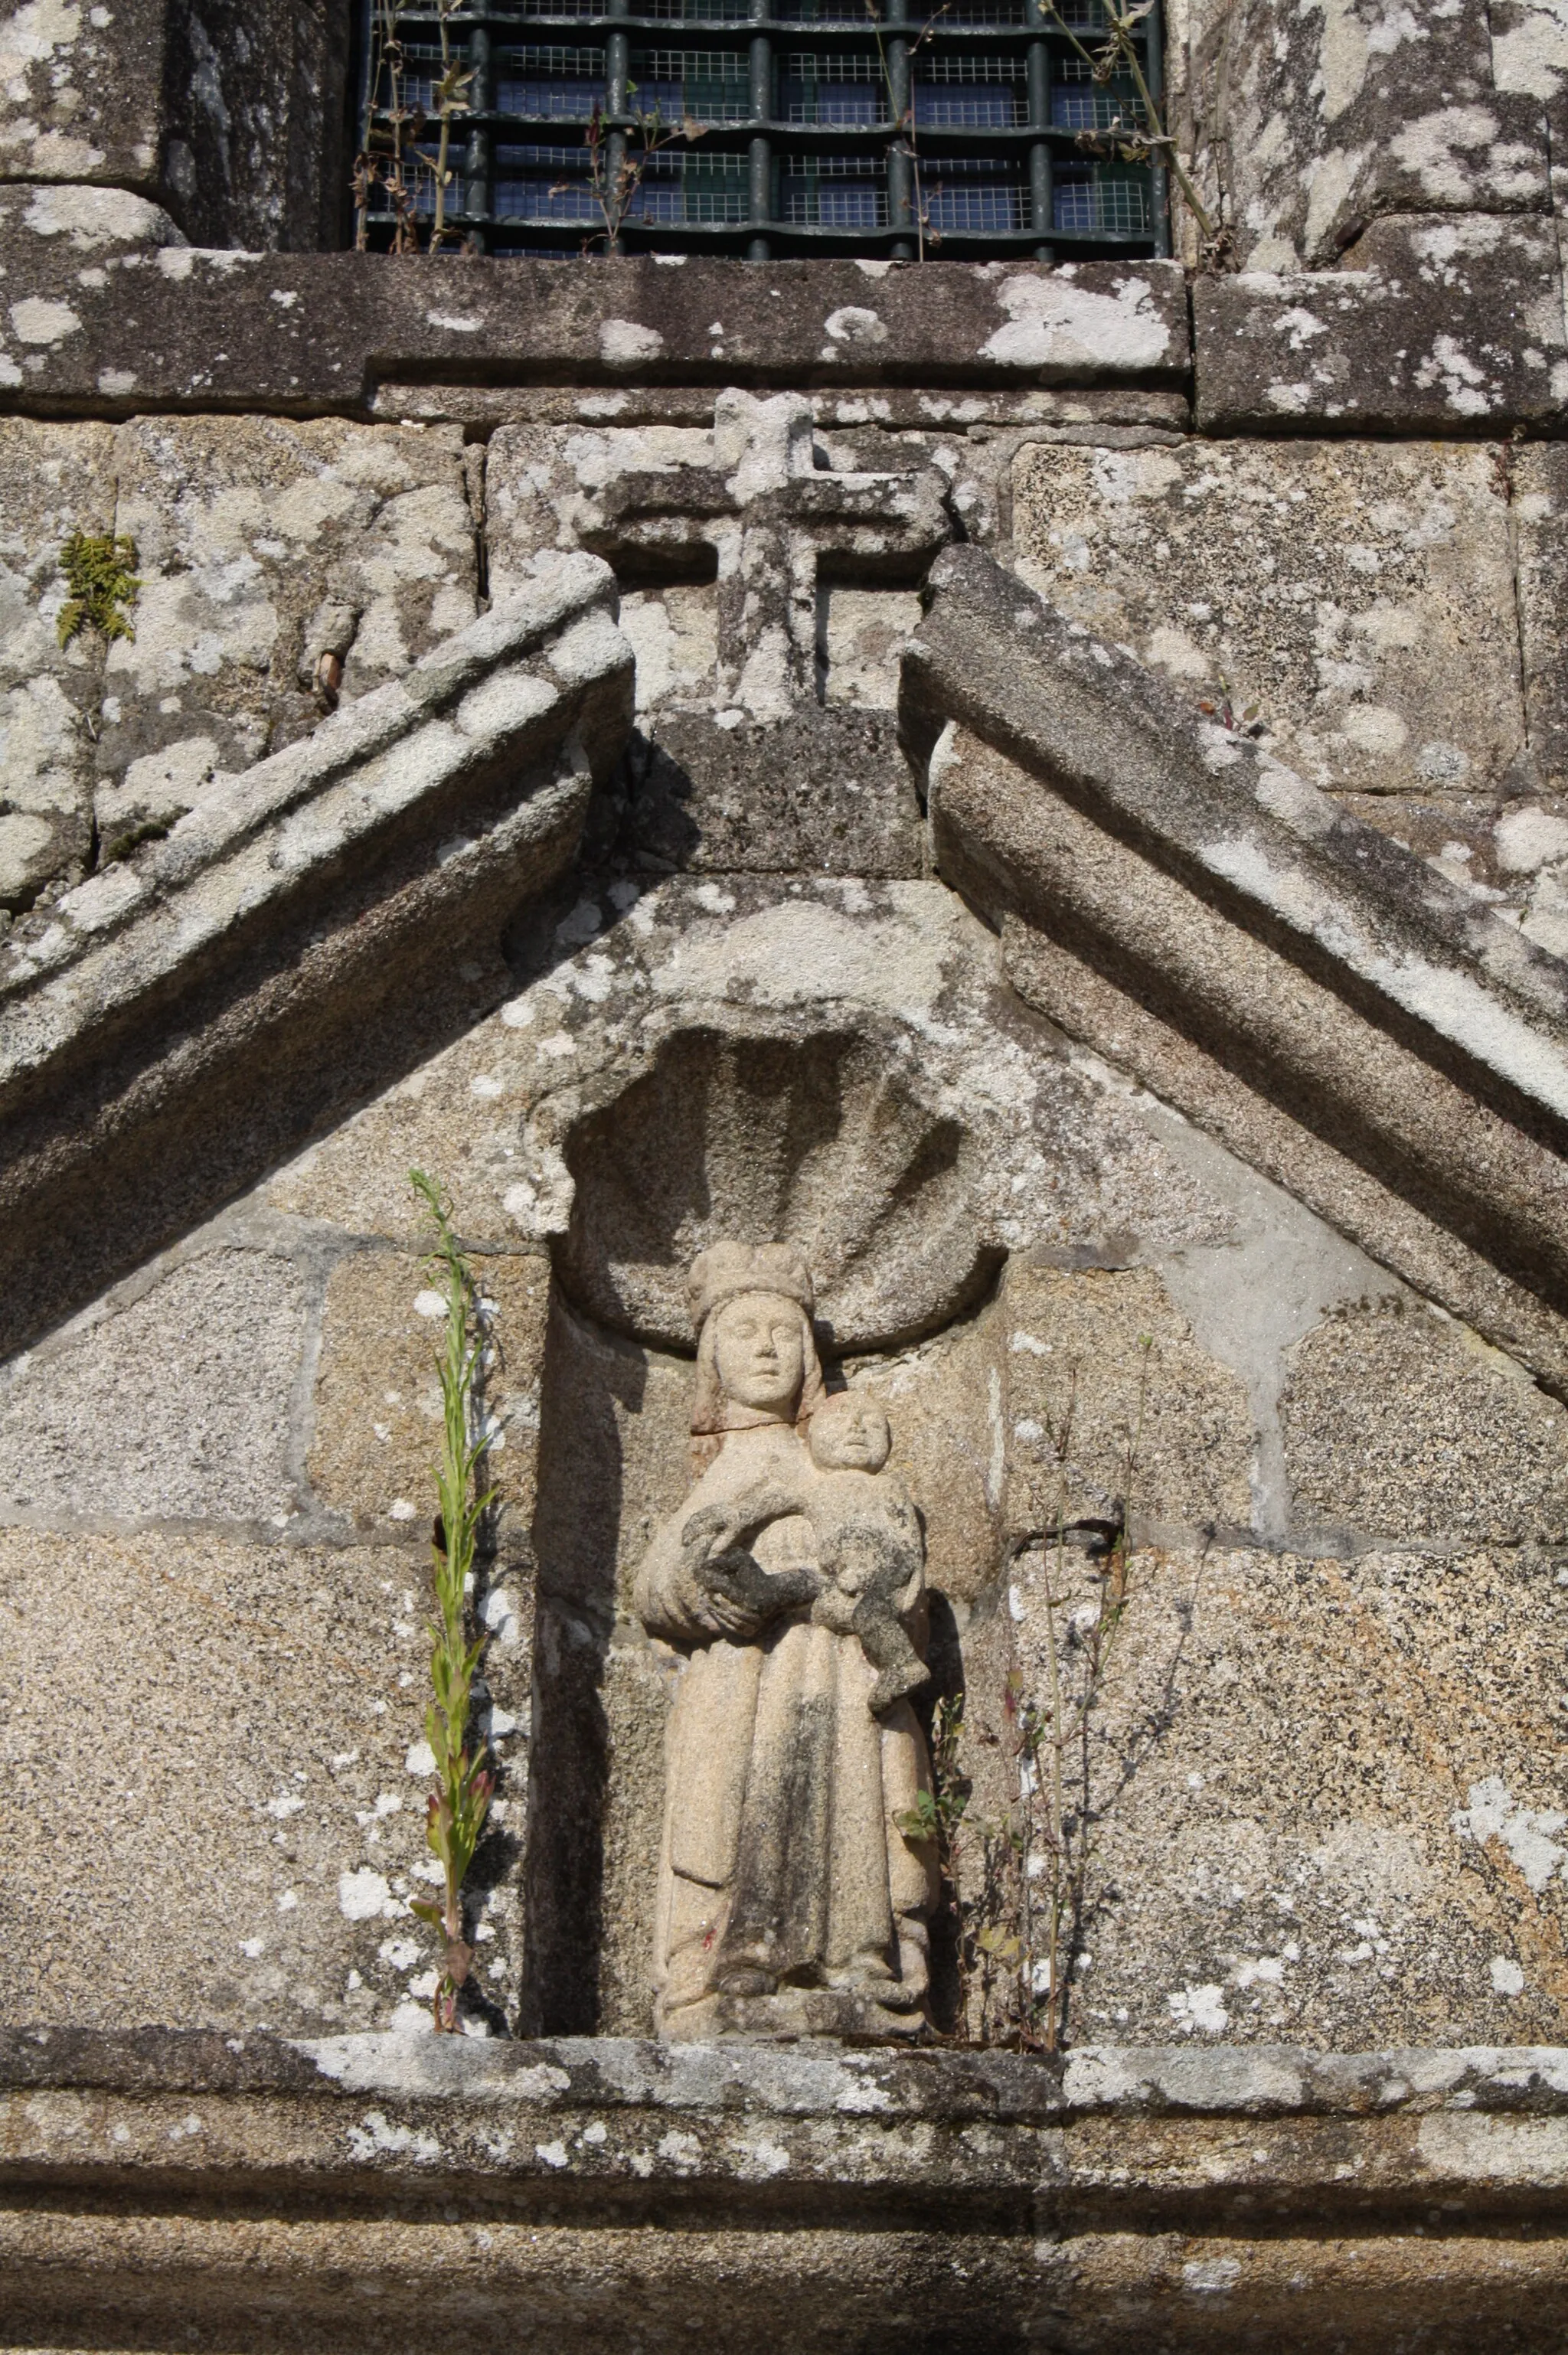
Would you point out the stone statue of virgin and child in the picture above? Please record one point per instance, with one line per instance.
(793, 1578)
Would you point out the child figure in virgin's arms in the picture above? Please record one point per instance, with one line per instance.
(868, 1538)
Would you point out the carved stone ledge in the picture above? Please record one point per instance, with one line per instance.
(178, 1020)
(197, 329)
(240, 2193)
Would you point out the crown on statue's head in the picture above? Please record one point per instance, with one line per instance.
(727, 1271)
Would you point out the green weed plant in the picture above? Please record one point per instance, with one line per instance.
(102, 584)
(457, 1808)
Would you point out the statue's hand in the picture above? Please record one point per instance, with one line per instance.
(741, 1595)
(716, 1526)
(729, 1618)
(739, 1577)
(734, 1521)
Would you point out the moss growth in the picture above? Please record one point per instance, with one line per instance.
(96, 566)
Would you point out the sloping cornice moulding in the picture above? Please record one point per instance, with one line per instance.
(1079, 803)
(181, 1019)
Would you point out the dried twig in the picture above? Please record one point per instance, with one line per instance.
(1144, 139)
(389, 158)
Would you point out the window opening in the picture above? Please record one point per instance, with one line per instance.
(959, 135)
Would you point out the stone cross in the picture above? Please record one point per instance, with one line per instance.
(775, 522)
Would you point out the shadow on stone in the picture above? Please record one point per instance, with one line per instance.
(576, 1533)
(826, 792)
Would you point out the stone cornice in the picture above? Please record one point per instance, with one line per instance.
(1337, 975)
(782, 2193)
(168, 1005)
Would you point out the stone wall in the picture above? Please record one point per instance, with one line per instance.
(1384, 616)
(573, 743)
(1326, 1807)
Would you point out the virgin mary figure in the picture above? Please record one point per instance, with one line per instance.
(789, 1902)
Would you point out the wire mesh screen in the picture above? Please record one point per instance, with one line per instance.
(832, 191)
(849, 93)
(702, 86)
(551, 85)
(694, 191)
(762, 127)
(1080, 102)
(972, 93)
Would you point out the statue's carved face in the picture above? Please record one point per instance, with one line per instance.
(759, 1349)
(850, 1434)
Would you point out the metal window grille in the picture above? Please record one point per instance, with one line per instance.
(694, 191)
(827, 12)
(1081, 103)
(1094, 202)
(971, 93)
(973, 131)
(697, 12)
(553, 85)
(543, 184)
(849, 93)
(702, 86)
(990, 14)
(832, 191)
(980, 195)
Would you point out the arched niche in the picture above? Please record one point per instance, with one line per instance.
(835, 1133)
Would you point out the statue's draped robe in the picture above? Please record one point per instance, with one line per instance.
(780, 1850)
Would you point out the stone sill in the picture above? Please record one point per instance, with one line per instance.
(623, 2084)
(806, 2079)
(163, 2189)
(154, 324)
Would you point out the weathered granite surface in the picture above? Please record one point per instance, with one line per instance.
(198, 329)
(1442, 325)
(1220, 1192)
(556, 2186)
(265, 547)
(1092, 409)
(772, 577)
(1541, 508)
(309, 898)
(1354, 600)
(706, 1055)
(281, 566)
(83, 96)
(1385, 616)
(1315, 123)
(54, 481)
(1345, 1853)
(232, 118)
(1276, 857)
(256, 150)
